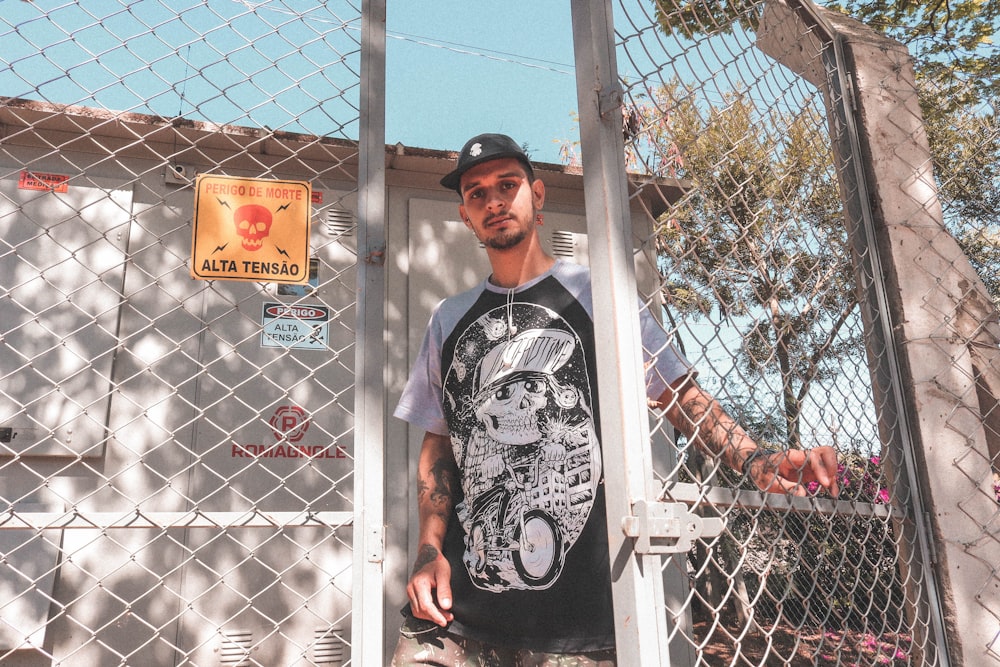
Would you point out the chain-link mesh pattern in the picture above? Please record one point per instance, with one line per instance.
(177, 486)
(764, 277)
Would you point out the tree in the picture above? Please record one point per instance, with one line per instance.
(958, 74)
(951, 40)
(758, 238)
(965, 145)
(738, 243)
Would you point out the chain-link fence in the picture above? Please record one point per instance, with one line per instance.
(774, 281)
(178, 462)
(180, 480)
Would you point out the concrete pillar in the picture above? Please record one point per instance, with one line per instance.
(941, 323)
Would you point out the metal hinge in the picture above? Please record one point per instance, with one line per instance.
(375, 543)
(667, 528)
(608, 100)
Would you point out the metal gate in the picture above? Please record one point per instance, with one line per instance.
(181, 482)
(808, 269)
(191, 469)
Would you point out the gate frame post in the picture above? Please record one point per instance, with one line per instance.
(637, 581)
(368, 588)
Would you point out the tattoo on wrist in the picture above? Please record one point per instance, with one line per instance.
(426, 554)
(761, 457)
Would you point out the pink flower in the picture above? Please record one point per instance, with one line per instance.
(883, 496)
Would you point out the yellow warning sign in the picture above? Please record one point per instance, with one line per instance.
(251, 229)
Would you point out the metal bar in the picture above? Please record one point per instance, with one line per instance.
(841, 97)
(640, 622)
(38, 521)
(724, 496)
(370, 355)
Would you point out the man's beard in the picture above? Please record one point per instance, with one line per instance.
(506, 240)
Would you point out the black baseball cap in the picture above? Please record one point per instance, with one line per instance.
(483, 148)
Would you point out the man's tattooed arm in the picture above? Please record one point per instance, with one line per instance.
(429, 588)
(435, 483)
(700, 417)
(437, 478)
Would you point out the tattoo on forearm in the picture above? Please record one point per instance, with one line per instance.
(436, 487)
(716, 435)
(426, 554)
(444, 481)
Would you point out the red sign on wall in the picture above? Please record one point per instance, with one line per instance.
(36, 180)
(289, 421)
(289, 425)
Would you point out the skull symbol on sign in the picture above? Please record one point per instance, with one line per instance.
(253, 224)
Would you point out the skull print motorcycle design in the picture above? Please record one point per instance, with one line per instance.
(518, 388)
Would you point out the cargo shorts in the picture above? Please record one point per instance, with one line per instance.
(425, 643)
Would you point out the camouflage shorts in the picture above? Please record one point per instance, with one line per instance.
(424, 643)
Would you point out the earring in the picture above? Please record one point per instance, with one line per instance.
(539, 219)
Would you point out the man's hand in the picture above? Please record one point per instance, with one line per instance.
(793, 471)
(700, 417)
(429, 589)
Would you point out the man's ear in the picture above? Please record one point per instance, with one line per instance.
(464, 217)
(538, 193)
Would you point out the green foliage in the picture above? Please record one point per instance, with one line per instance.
(759, 237)
(958, 76)
(690, 18)
(735, 246)
(965, 145)
(951, 40)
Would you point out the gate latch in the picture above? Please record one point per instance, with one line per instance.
(667, 528)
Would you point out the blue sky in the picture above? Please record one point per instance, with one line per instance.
(497, 67)
(453, 68)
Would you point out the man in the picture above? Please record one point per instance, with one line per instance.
(513, 565)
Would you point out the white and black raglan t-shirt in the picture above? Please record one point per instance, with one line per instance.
(509, 375)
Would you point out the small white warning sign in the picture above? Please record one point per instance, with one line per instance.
(295, 326)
